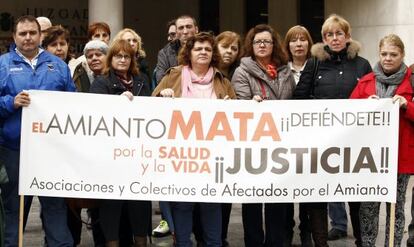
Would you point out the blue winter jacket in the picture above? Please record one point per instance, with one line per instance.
(16, 75)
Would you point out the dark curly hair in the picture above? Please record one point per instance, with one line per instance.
(279, 55)
(184, 56)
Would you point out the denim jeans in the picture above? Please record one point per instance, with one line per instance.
(337, 214)
(210, 220)
(167, 214)
(53, 209)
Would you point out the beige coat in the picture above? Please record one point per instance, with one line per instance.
(172, 79)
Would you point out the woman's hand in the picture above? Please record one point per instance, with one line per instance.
(257, 98)
(401, 100)
(129, 95)
(168, 92)
(373, 97)
(22, 99)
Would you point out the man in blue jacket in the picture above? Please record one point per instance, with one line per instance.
(25, 67)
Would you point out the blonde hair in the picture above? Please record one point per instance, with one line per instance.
(140, 51)
(393, 39)
(338, 20)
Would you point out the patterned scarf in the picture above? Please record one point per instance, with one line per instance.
(125, 81)
(387, 85)
(271, 70)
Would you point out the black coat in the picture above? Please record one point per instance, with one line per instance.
(337, 75)
(110, 84)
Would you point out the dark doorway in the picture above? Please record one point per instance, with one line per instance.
(209, 15)
(311, 16)
(257, 12)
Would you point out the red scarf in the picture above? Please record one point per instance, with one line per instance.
(271, 70)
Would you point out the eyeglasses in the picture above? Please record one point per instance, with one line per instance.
(265, 42)
(338, 34)
(120, 56)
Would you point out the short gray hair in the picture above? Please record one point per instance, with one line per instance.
(96, 44)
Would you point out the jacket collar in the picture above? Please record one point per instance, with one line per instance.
(43, 56)
(319, 51)
(175, 45)
(137, 82)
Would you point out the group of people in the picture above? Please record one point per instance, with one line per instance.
(197, 64)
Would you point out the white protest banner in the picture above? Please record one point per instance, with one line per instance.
(105, 146)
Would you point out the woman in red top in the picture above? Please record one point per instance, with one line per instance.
(391, 78)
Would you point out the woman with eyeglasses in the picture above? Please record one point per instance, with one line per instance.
(264, 75)
(136, 43)
(332, 74)
(121, 77)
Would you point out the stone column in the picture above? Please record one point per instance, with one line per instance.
(109, 11)
(373, 19)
